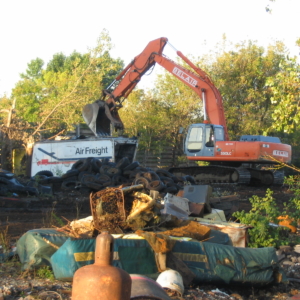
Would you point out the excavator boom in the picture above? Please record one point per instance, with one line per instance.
(100, 118)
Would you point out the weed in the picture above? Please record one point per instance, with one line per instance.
(263, 212)
(78, 209)
(45, 273)
(5, 240)
(51, 219)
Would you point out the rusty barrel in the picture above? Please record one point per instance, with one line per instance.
(101, 281)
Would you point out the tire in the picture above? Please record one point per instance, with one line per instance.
(112, 171)
(45, 172)
(178, 179)
(190, 179)
(167, 180)
(5, 181)
(118, 180)
(55, 179)
(72, 178)
(23, 189)
(88, 178)
(96, 165)
(142, 181)
(171, 189)
(156, 185)
(132, 166)
(82, 164)
(143, 169)
(165, 173)
(70, 173)
(102, 178)
(123, 163)
(152, 176)
(104, 168)
(69, 185)
(83, 173)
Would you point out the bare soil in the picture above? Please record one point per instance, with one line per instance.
(18, 218)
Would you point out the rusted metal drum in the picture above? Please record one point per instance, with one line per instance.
(146, 288)
(101, 281)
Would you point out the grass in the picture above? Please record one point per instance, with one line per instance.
(45, 273)
(51, 219)
(5, 240)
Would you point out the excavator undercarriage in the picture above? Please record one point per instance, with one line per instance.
(224, 174)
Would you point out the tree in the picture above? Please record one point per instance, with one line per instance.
(52, 98)
(286, 96)
(240, 75)
(159, 114)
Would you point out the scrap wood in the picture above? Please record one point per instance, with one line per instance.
(192, 229)
(68, 231)
(158, 242)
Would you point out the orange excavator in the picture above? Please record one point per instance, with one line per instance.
(230, 161)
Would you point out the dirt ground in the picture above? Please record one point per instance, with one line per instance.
(16, 219)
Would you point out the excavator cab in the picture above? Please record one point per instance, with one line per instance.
(201, 139)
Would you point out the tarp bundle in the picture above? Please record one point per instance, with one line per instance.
(134, 256)
(36, 246)
(211, 263)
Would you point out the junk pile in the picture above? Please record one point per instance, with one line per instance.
(154, 232)
(91, 174)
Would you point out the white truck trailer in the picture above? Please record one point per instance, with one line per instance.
(59, 156)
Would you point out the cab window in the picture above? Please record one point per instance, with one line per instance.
(195, 139)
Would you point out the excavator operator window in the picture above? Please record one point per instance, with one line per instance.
(209, 136)
(194, 143)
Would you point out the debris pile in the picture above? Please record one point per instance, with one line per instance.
(91, 174)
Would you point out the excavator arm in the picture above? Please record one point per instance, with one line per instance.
(100, 114)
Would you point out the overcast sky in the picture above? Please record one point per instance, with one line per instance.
(41, 28)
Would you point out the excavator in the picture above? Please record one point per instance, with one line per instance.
(240, 161)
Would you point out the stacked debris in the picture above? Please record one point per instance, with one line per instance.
(91, 174)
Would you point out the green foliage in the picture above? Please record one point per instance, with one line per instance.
(285, 87)
(292, 209)
(263, 212)
(240, 73)
(45, 273)
(51, 218)
(53, 97)
(159, 114)
(5, 239)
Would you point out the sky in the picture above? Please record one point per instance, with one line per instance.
(41, 28)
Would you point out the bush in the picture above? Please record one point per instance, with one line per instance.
(265, 212)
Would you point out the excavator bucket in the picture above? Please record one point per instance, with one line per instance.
(99, 117)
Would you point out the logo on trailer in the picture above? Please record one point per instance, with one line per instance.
(280, 153)
(187, 78)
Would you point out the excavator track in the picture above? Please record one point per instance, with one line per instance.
(214, 174)
(230, 175)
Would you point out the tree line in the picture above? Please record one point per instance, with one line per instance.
(260, 89)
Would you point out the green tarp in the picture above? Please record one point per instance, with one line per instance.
(210, 262)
